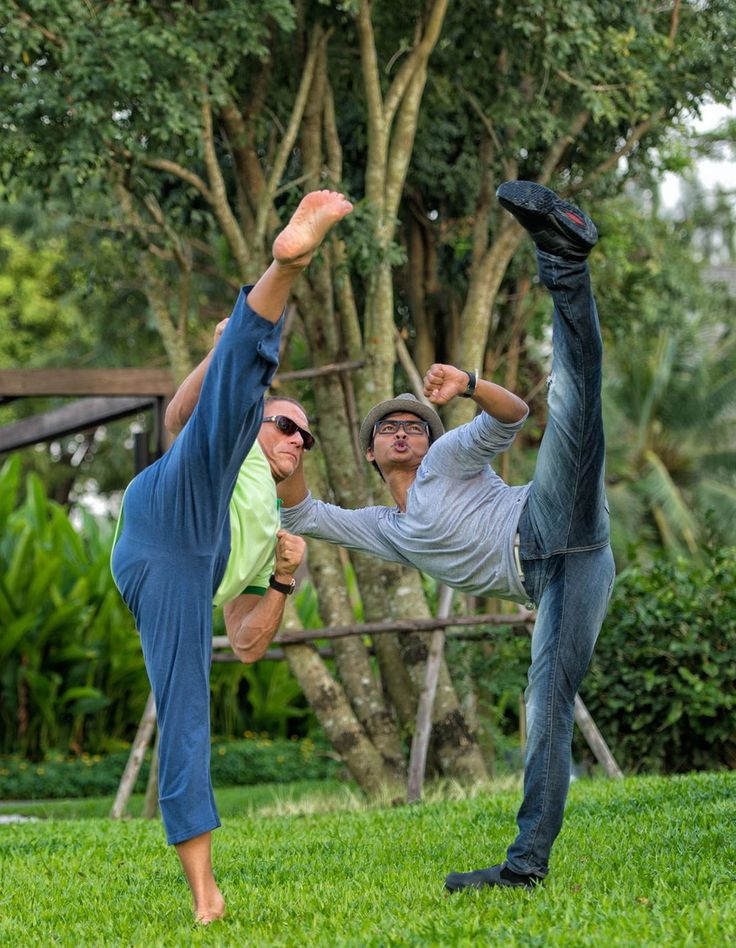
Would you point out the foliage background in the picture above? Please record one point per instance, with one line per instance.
(149, 154)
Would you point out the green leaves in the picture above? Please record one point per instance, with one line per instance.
(662, 684)
(66, 639)
(86, 82)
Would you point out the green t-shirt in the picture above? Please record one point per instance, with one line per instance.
(254, 521)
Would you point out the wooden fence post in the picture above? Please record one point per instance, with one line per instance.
(420, 741)
(150, 801)
(595, 740)
(137, 753)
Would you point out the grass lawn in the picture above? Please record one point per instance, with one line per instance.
(645, 861)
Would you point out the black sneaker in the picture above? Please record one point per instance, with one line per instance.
(493, 875)
(554, 225)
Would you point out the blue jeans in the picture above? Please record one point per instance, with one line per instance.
(171, 555)
(566, 557)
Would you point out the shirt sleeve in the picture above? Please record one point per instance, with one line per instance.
(354, 529)
(259, 583)
(466, 450)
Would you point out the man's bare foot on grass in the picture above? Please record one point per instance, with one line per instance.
(318, 211)
(210, 908)
(196, 861)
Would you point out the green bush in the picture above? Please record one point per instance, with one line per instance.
(234, 763)
(662, 684)
(72, 670)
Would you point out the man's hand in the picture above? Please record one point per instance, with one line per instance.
(219, 329)
(185, 399)
(443, 382)
(290, 551)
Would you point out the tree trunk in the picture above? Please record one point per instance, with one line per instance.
(351, 655)
(332, 708)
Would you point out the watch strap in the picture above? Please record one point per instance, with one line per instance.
(472, 382)
(286, 588)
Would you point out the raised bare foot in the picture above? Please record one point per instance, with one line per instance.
(318, 211)
(209, 909)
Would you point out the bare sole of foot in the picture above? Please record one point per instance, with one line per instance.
(318, 211)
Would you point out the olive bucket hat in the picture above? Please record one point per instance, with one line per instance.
(405, 403)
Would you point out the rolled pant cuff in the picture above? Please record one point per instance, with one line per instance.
(173, 839)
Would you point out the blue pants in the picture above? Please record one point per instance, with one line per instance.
(171, 555)
(566, 557)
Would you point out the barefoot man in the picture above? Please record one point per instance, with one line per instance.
(178, 547)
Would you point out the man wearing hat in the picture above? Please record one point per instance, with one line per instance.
(458, 521)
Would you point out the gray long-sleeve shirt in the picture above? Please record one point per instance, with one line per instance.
(460, 522)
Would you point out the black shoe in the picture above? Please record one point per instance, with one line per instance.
(493, 875)
(554, 225)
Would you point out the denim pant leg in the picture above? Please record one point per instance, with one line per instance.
(170, 596)
(566, 507)
(197, 474)
(171, 555)
(575, 589)
(566, 556)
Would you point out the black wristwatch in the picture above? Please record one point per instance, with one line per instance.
(286, 588)
(472, 382)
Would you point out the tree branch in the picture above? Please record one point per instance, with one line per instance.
(377, 128)
(287, 142)
(418, 56)
(557, 150)
(173, 167)
(331, 135)
(635, 136)
(30, 24)
(674, 22)
(220, 204)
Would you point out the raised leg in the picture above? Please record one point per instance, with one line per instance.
(567, 505)
(169, 556)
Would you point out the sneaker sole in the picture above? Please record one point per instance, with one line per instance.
(533, 197)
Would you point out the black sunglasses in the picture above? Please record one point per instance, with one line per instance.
(288, 427)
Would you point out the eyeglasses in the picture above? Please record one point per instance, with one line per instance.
(288, 427)
(392, 425)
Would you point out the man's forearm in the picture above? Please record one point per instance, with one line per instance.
(185, 400)
(252, 626)
(499, 402)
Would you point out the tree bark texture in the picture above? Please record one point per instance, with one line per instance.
(337, 718)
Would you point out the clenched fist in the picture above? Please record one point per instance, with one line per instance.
(290, 551)
(443, 382)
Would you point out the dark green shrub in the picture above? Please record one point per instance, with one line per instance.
(234, 763)
(662, 684)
